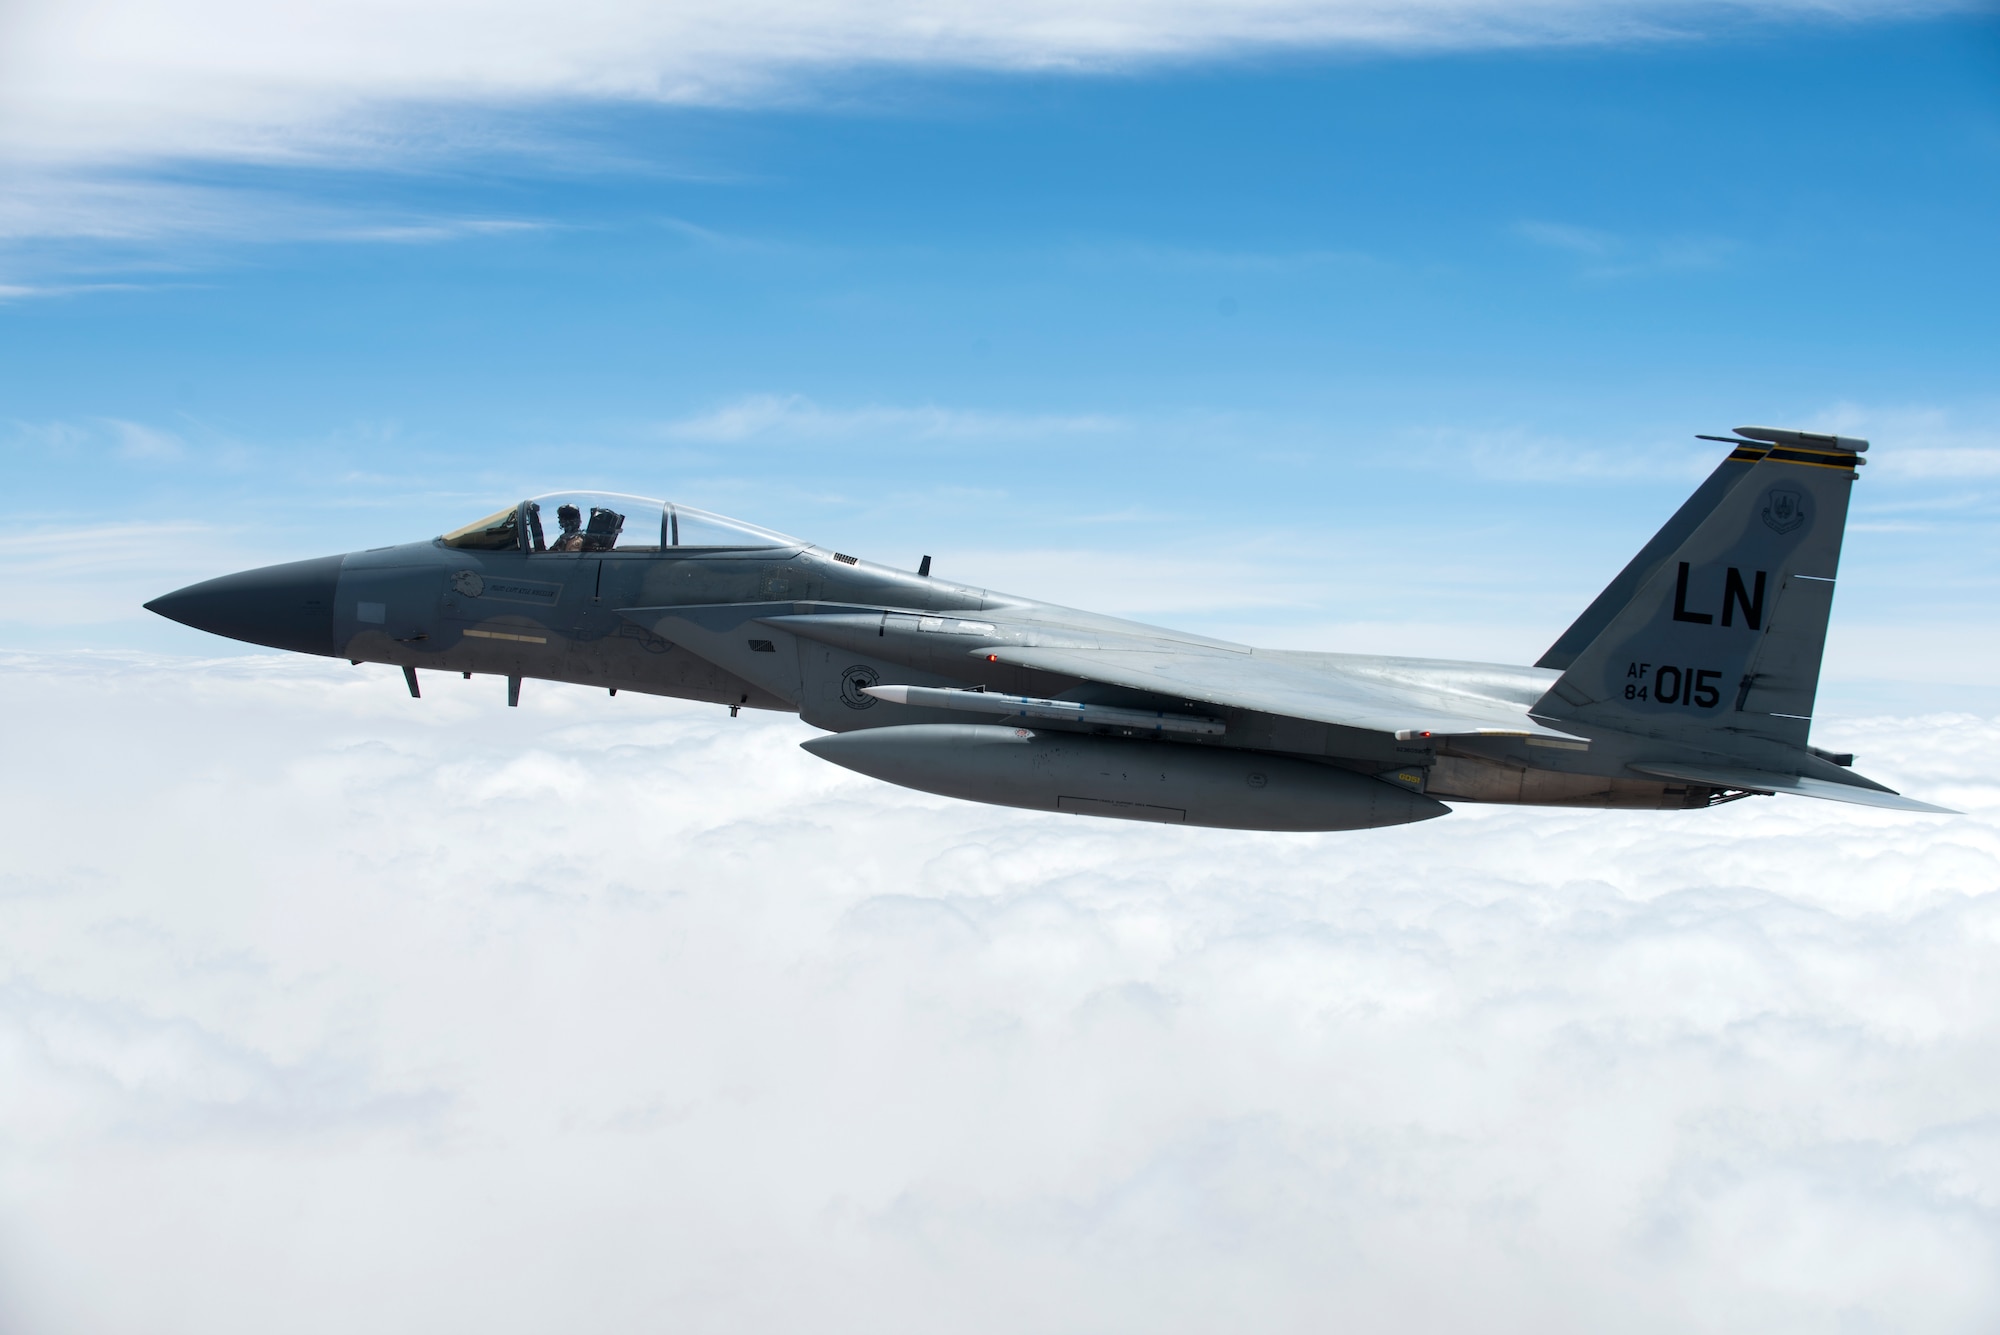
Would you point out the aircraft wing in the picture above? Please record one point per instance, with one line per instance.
(1797, 785)
(1289, 688)
(1404, 698)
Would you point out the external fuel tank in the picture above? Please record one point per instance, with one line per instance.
(1167, 782)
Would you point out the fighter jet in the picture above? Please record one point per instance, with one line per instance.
(1688, 683)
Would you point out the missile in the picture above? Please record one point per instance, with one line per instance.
(992, 703)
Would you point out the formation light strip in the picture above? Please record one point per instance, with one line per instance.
(503, 635)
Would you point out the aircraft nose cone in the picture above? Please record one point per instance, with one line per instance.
(286, 606)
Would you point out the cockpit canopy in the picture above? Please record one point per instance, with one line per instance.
(605, 521)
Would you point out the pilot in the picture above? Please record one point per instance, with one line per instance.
(571, 520)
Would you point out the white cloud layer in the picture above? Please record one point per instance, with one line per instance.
(322, 1009)
(121, 80)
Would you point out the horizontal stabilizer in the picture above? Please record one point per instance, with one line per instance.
(1759, 781)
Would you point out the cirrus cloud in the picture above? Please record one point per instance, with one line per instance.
(122, 81)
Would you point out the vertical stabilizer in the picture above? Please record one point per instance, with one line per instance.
(1720, 644)
(1671, 535)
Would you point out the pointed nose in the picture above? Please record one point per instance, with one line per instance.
(288, 606)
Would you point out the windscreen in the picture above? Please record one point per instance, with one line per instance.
(498, 532)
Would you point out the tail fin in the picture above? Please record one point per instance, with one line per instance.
(1722, 638)
(1671, 535)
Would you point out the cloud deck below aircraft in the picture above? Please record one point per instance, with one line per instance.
(508, 1018)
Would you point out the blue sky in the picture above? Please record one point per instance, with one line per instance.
(1393, 336)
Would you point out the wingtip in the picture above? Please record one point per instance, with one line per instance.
(1928, 808)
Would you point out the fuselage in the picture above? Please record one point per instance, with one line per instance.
(697, 624)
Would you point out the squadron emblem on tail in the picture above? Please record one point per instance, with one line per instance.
(1784, 510)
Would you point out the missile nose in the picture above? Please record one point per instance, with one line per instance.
(286, 606)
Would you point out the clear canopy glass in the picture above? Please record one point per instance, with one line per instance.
(689, 527)
(604, 521)
(593, 521)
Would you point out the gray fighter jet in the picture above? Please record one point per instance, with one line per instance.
(1689, 682)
